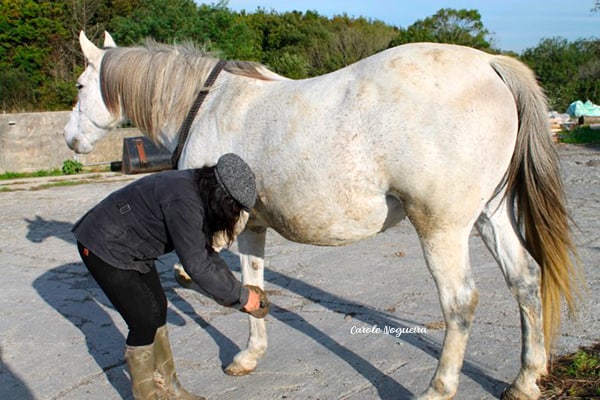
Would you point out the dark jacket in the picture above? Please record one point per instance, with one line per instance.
(152, 216)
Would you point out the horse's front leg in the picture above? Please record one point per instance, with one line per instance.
(251, 246)
(446, 253)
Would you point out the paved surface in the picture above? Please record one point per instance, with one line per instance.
(60, 339)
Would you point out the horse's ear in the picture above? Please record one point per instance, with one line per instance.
(92, 53)
(108, 40)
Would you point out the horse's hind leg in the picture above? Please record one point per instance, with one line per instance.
(522, 275)
(251, 245)
(447, 256)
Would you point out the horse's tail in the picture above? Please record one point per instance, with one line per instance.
(534, 185)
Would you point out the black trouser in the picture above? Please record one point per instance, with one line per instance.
(139, 298)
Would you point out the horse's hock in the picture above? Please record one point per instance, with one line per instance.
(34, 141)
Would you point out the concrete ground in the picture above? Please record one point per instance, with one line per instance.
(61, 339)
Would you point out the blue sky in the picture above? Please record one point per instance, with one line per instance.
(515, 24)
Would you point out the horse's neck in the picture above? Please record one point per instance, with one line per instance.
(209, 132)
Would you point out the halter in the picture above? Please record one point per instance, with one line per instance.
(184, 130)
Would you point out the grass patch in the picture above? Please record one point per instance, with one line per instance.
(7, 189)
(90, 179)
(574, 375)
(580, 135)
(37, 174)
(54, 172)
(62, 183)
(98, 169)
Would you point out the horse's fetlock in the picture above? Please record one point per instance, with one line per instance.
(514, 393)
(438, 390)
(243, 363)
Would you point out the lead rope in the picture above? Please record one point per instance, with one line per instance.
(184, 130)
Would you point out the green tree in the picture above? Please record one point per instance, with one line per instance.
(357, 38)
(16, 90)
(555, 62)
(462, 27)
(284, 38)
(94, 16)
(299, 45)
(587, 74)
(176, 21)
(32, 37)
(40, 56)
(162, 20)
(227, 32)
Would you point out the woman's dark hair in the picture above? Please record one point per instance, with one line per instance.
(220, 210)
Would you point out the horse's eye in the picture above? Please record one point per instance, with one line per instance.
(79, 86)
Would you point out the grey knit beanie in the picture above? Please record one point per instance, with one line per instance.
(237, 179)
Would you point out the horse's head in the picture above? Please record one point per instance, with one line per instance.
(90, 119)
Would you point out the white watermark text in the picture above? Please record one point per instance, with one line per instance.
(386, 330)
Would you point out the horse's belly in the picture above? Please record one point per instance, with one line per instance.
(329, 222)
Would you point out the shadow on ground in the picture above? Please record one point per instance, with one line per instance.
(71, 291)
(11, 384)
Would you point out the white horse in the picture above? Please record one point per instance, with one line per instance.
(449, 136)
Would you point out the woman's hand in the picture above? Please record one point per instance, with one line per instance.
(253, 303)
(258, 303)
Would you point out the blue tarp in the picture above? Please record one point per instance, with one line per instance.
(579, 108)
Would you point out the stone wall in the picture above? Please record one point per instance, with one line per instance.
(34, 141)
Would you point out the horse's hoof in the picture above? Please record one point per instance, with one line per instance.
(512, 393)
(236, 369)
(430, 394)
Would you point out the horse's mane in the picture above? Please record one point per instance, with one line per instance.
(152, 82)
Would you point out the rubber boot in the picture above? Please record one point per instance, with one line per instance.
(140, 360)
(165, 367)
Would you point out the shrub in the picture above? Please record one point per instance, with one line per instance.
(71, 167)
